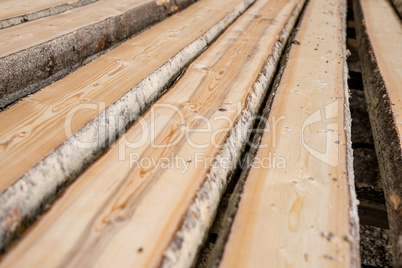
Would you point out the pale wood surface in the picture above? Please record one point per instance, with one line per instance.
(398, 6)
(15, 38)
(300, 211)
(379, 33)
(17, 8)
(96, 104)
(385, 32)
(34, 127)
(12, 8)
(117, 215)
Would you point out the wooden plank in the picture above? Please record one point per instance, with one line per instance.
(45, 139)
(36, 53)
(166, 208)
(295, 204)
(379, 34)
(373, 214)
(15, 12)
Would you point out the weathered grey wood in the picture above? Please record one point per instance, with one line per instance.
(379, 34)
(37, 53)
(188, 240)
(375, 247)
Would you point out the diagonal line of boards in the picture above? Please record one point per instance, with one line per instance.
(123, 211)
(295, 203)
(34, 54)
(46, 138)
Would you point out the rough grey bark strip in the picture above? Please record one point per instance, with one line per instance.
(32, 193)
(373, 214)
(354, 239)
(398, 6)
(8, 22)
(26, 71)
(186, 243)
(386, 138)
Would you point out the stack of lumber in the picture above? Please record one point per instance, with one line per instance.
(305, 210)
(379, 34)
(36, 53)
(119, 136)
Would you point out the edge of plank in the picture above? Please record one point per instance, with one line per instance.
(354, 240)
(12, 21)
(218, 250)
(201, 213)
(31, 194)
(398, 6)
(26, 71)
(385, 133)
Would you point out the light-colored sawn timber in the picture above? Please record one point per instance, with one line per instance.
(379, 34)
(39, 136)
(157, 211)
(36, 53)
(14, 12)
(295, 205)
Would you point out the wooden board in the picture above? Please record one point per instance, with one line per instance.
(379, 34)
(36, 53)
(38, 32)
(295, 205)
(14, 12)
(117, 214)
(39, 152)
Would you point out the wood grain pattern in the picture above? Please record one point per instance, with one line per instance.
(379, 34)
(299, 209)
(200, 214)
(37, 53)
(36, 124)
(15, 12)
(121, 215)
(15, 39)
(38, 148)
